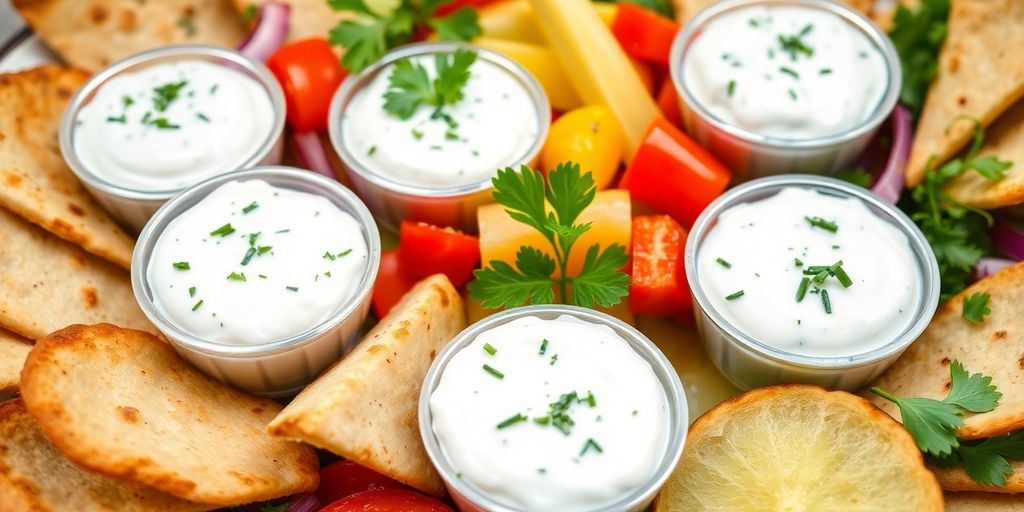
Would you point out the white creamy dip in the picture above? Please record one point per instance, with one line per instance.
(253, 263)
(172, 125)
(787, 72)
(496, 124)
(619, 420)
(763, 249)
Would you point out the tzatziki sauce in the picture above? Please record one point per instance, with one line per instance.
(495, 124)
(171, 125)
(253, 263)
(787, 72)
(551, 415)
(811, 274)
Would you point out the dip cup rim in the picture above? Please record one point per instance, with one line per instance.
(280, 176)
(882, 42)
(924, 259)
(229, 58)
(666, 374)
(354, 83)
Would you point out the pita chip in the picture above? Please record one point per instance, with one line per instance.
(48, 283)
(365, 407)
(981, 74)
(956, 479)
(123, 403)
(13, 351)
(35, 182)
(1005, 140)
(90, 35)
(994, 348)
(309, 18)
(983, 502)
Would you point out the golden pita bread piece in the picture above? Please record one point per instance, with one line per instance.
(47, 283)
(994, 348)
(956, 479)
(983, 502)
(981, 73)
(1005, 140)
(89, 34)
(34, 180)
(309, 18)
(123, 403)
(35, 477)
(686, 9)
(13, 351)
(365, 407)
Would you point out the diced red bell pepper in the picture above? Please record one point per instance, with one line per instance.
(673, 174)
(668, 102)
(391, 285)
(659, 285)
(643, 33)
(451, 6)
(426, 250)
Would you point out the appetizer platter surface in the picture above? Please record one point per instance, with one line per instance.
(512, 255)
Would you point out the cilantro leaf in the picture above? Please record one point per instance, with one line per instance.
(599, 281)
(363, 40)
(986, 462)
(522, 195)
(976, 307)
(570, 192)
(918, 34)
(409, 85)
(974, 393)
(461, 25)
(452, 76)
(500, 285)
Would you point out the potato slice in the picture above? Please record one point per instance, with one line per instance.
(365, 407)
(13, 351)
(34, 476)
(123, 403)
(799, 448)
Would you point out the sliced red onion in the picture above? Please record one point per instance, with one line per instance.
(1008, 239)
(305, 503)
(890, 183)
(269, 34)
(989, 265)
(312, 154)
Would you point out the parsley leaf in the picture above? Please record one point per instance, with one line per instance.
(525, 197)
(986, 462)
(976, 308)
(917, 34)
(461, 25)
(410, 86)
(974, 393)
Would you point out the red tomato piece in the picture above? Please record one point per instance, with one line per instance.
(309, 73)
(391, 285)
(345, 477)
(451, 6)
(668, 102)
(426, 250)
(659, 284)
(643, 33)
(673, 174)
(387, 500)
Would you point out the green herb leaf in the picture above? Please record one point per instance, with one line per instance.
(499, 285)
(182, 265)
(461, 25)
(918, 33)
(974, 393)
(600, 281)
(164, 95)
(986, 462)
(410, 87)
(975, 307)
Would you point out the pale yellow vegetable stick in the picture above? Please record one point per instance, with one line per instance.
(543, 64)
(596, 65)
(514, 20)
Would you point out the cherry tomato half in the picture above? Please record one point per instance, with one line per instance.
(426, 250)
(387, 500)
(659, 285)
(309, 73)
(344, 478)
(391, 285)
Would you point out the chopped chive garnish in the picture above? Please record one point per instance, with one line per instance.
(590, 399)
(801, 290)
(292, 288)
(591, 444)
(518, 418)
(543, 347)
(724, 263)
(450, 135)
(127, 101)
(261, 276)
(344, 253)
(120, 119)
(492, 371)
(825, 302)
(263, 249)
(825, 71)
(789, 71)
(328, 274)
(731, 88)
(329, 256)
(820, 277)
(252, 206)
(373, 149)
(490, 349)
(224, 230)
(417, 134)
(542, 470)
(203, 117)
(248, 256)
(543, 420)
(200, 303)
(235, 276)
(282, 231)
(797, 262)
(818, 222)
(554, 359)
(815, 269)
(841, 275)
(792, 94)
(734, 296)
(182, 265)
(192, 291)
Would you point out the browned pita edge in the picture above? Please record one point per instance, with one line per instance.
(994, 348)
(92, 34)
(365, 407)
(122, 403)
(1004, 140)
(13, 351)
(956, 479)
(981, 74)
(983, 502)
(35, 477)
(35, 182)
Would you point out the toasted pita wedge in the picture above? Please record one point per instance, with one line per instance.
(995, 348)
(981, 74)
(364, 408)
(309, 18)
(13, 351)
(90, 35)
(1005, 140)
(956, 479)
(47, 283)
(34, 180)
(123, 403)
(686, 9)
(35, 477)
(983, 502)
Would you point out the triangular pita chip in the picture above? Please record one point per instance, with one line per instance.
(309, 18)
(35, 477)
(994, 348)
(365, 407)
(123, 403)
(34, 180)
(983, 502)
(981, 74)
(13, 351)
(89, 35)
(47, 283)
(1005, 140)
(956, 479)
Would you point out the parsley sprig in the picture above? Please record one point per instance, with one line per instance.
(409, 86)
(371, 33)
(917, 33)
(975, 307)
(525, 197)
